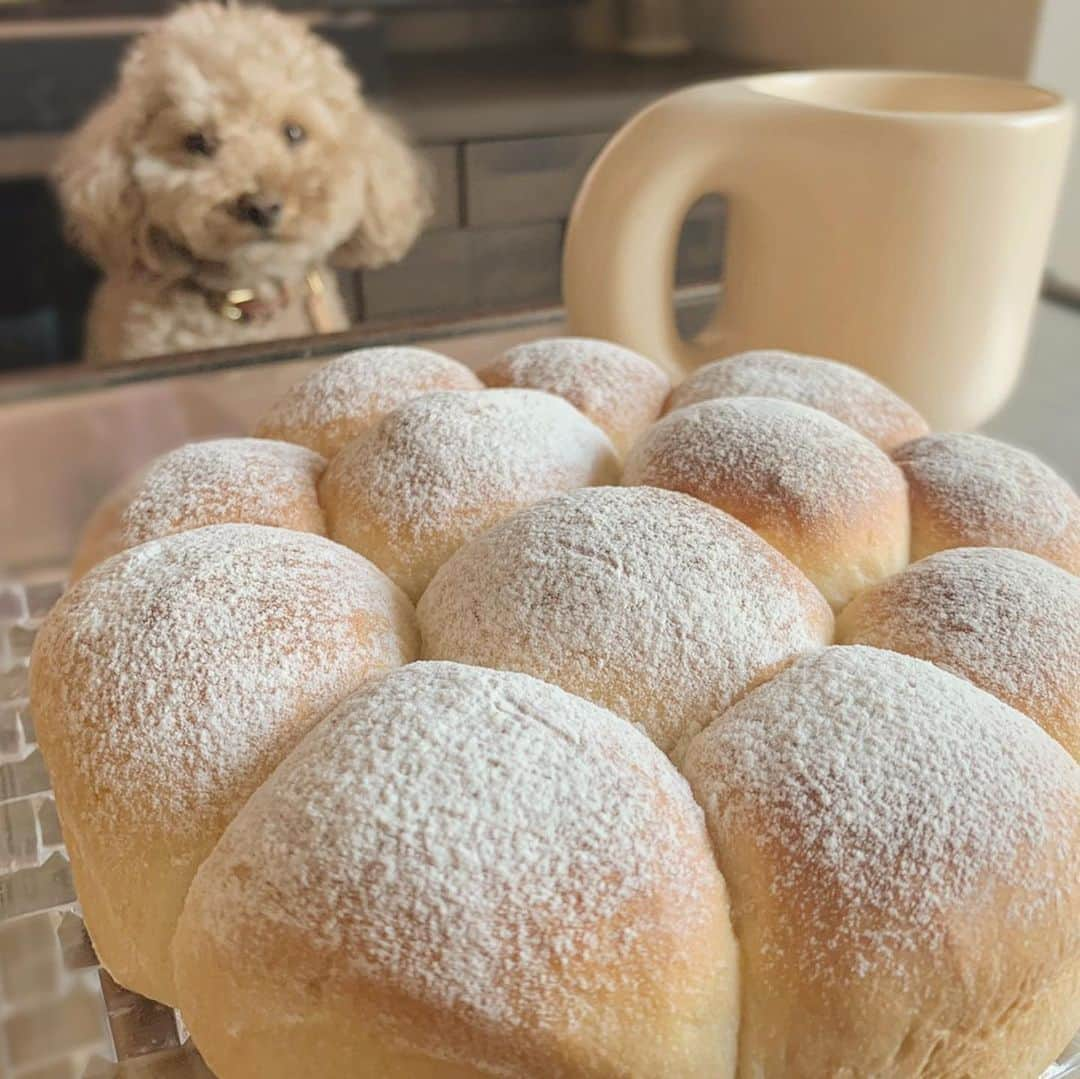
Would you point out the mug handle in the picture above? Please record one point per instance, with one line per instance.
(623, 233)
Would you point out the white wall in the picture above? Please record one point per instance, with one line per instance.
(1057, 65)
(992, 37)
(1024, 39)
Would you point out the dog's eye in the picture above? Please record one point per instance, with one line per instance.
(294, 133)
(198, 143)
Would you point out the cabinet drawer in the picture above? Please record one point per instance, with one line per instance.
(469, 270)
(443, 161)
(517, 180)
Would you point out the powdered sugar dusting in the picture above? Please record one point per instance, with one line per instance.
(782, 463)
(972, 491)
(179, 672)
(1005, 620)
(225, 481)
(343, 397)
(885, 796)
(844, 392)
(462, 454)
(646, 601)
(502, 854)
(617, 388)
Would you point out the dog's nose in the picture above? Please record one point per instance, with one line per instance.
(261, 212)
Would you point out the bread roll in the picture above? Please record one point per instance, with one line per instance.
(972, 491)
(901, 851)
(440, 469)
(168, 683)
(223, 481)
(621, 391)
(815, 489)
(845, 393)
(449, 877)
(103, 533)
(340, 400)
(1005, 620)
(648, 602)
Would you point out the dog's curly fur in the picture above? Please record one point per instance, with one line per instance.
(200, 120)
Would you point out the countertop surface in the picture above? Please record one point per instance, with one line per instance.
(1043, 414)
(84, 434)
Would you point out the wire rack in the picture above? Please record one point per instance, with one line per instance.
(61, 1015)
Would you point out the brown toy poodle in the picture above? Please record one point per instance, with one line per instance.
(234, 162)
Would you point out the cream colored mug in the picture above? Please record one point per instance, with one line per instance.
(896, 221)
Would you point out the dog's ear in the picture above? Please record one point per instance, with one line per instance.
(101, 203)
(397, 197)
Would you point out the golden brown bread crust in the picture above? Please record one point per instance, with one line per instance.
(103, 534)
(621, 391)
(847, 394)
(901, 853)
(820, 493)
(168, 683)
(968, 490)
(506, 911)
(648, 602)
(1003, 619)
(344, 397)
(444, 467)
(223, 481)
(843, 977)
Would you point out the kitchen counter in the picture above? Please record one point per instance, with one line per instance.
(1041, 415)
(85, 430)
